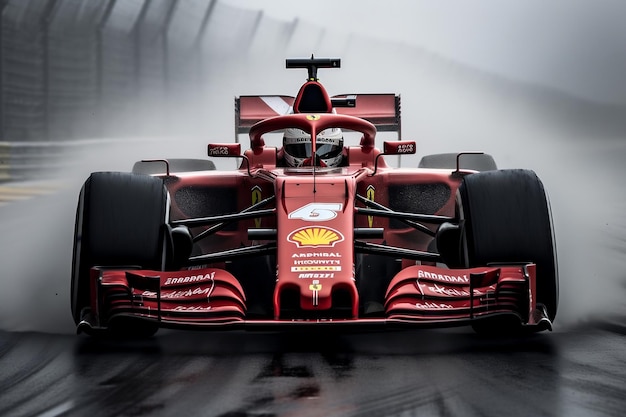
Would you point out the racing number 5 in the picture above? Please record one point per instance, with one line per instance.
(316, 212)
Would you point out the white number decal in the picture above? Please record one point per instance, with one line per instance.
(317, 212)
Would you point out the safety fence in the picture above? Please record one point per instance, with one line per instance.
(76, 69)
(72, 69)
(68, 66)
(27, 160)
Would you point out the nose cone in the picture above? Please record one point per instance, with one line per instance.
(315, 271)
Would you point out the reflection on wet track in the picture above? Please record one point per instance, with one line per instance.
(452, 372)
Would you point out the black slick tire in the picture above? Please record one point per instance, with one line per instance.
(120, 221)
(507, 218)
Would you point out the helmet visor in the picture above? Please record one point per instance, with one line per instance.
(299, 149)
(329, 144)
(304, 150)
(327, 150)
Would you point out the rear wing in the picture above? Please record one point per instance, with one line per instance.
(382, 110)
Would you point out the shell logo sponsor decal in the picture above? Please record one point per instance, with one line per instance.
(256, 197)
(370, 191)
(315, 237)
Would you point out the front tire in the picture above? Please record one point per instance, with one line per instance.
(120, 221)
(507, 218)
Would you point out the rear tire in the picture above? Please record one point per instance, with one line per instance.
(120, 221)
(175, 164)
(476, 162)
(507, 218)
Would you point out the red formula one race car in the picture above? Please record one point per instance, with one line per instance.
(314, 234)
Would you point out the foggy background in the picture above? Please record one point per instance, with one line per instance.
(572, 45)
(538, 85)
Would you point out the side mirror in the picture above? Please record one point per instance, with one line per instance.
(228, 150)
(403, 147)
(224, 149)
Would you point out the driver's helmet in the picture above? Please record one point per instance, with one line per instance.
(297, 147)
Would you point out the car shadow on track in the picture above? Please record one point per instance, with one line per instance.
(422, 342)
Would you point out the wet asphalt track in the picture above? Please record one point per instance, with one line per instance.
(577, 372)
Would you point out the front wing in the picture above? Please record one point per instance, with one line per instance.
(418, 296)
